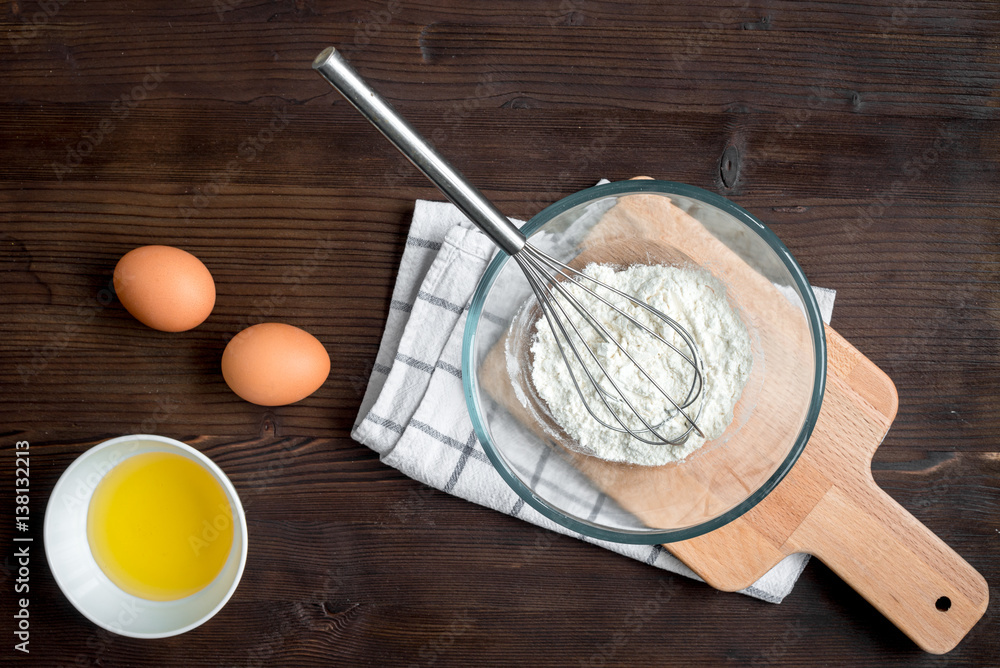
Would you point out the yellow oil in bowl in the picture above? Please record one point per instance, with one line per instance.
(160, 526)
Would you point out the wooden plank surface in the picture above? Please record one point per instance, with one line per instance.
(576, 66)
(865, 134)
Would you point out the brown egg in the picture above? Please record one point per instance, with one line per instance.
(273, 364)
(165, 288)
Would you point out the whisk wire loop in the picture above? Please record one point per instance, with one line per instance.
(550, 281)
(570, 273)
(556, 324)
(547, 300)
(604, 334)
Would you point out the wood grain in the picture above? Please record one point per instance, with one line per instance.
(350, 562)
(960, 17)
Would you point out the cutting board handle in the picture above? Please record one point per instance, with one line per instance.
(909, 574)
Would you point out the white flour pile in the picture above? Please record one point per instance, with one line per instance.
(697, 301)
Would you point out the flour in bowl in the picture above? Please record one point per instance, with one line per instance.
(697, 301)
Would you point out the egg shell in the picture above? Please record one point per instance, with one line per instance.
(165, 288)
(274, 364)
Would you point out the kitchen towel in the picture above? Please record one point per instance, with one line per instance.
(414, 412)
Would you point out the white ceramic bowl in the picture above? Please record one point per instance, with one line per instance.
(82, 580)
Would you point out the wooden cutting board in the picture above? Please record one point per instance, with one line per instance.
(828, 505)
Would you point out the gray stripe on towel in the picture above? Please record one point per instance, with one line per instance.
(651, 559)
(400, 305)
(517, 507)
(597, 507)
(467, 451)
(539, 466)
(447, 440)
(455, 371)
(382, 422)
(423, 243)
(495, 319)
(437, 301)
(753, 590)
(415, 363)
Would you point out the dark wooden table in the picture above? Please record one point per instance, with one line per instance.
(865, 135)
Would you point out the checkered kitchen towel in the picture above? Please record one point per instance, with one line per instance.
(414, 413)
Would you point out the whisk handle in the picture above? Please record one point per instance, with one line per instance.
(335, 69)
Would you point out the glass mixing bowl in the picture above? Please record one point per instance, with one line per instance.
(650, 222)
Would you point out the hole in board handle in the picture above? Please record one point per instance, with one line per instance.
(943, 604)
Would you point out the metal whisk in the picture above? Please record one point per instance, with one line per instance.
(551, 281)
